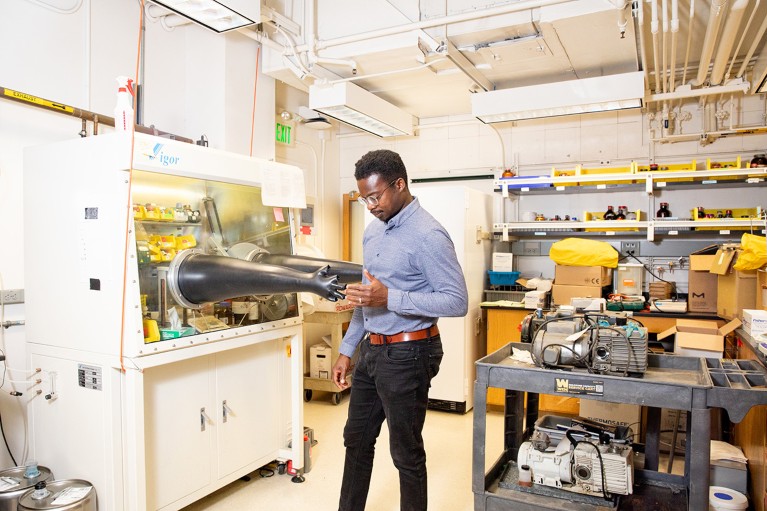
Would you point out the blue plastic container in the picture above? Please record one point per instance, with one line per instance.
(503, 278)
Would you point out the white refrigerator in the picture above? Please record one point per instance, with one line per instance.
(464, 212)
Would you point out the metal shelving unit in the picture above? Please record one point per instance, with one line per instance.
(647, 181)
(691, 384)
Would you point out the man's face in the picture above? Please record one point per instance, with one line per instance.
(384, 199)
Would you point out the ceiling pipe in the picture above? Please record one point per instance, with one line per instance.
(752, 50)
(169, 20)
(521, 5)
(642, 42)
(712, 29)
(655, 44)
(664, 17)
(727, 40)
(742, 38)
(689, 41)
(674, 36)
(741, 88)
(622, 21)
(262, 38)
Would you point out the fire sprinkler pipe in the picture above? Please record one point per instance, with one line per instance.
(727, 40)
(712, 29)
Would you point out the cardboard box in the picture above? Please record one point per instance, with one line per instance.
(761, 289)
(754, 321)
(702, 284)
(614, 414)
(698, 338)
(319, 361)
(502, 261)
(735, 289)
(562, 294)
(583, 275)
(535, 300)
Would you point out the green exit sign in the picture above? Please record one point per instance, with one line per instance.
(283, 134)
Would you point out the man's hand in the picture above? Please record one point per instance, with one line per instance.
(374, 294)
(340, 370)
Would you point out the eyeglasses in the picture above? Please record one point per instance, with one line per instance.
(373, 201)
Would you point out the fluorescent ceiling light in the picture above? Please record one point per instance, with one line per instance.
(614, 92)
(217, 15)
(357, 107)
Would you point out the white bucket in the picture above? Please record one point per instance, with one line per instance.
(725, 499)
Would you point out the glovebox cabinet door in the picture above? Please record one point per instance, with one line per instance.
(179, 429)
(248, 400)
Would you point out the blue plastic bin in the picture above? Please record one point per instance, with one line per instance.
(503, 278)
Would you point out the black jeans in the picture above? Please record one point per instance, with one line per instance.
(391, 382)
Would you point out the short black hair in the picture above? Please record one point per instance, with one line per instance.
(383, 162)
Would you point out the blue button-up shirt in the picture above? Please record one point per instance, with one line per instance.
(414, 257)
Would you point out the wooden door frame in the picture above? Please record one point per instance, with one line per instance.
(348, 200)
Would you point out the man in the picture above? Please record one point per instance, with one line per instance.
(411, 278)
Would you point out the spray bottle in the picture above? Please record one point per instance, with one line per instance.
(124, 107)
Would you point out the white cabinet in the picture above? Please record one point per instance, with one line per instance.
(204, 421)
(245, 387)
(179, 410)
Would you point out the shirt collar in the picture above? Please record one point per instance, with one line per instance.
(404, 214)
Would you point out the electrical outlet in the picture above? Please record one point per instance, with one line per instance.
(12, 295)
(630, 247)
(531, 248)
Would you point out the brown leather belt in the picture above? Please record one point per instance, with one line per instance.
(418, 335)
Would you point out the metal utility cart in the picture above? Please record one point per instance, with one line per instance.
(336, 320)
(690, 384)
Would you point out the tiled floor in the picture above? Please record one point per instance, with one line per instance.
(448, 439)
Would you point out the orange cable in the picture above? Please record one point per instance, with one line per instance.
(255, 90)
(130, 187)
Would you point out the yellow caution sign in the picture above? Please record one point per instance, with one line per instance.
(37, 101)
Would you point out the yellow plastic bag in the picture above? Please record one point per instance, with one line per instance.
(753, 254)
(583, 252)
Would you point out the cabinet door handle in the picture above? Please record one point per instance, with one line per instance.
(202, 418)
(224, 410)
